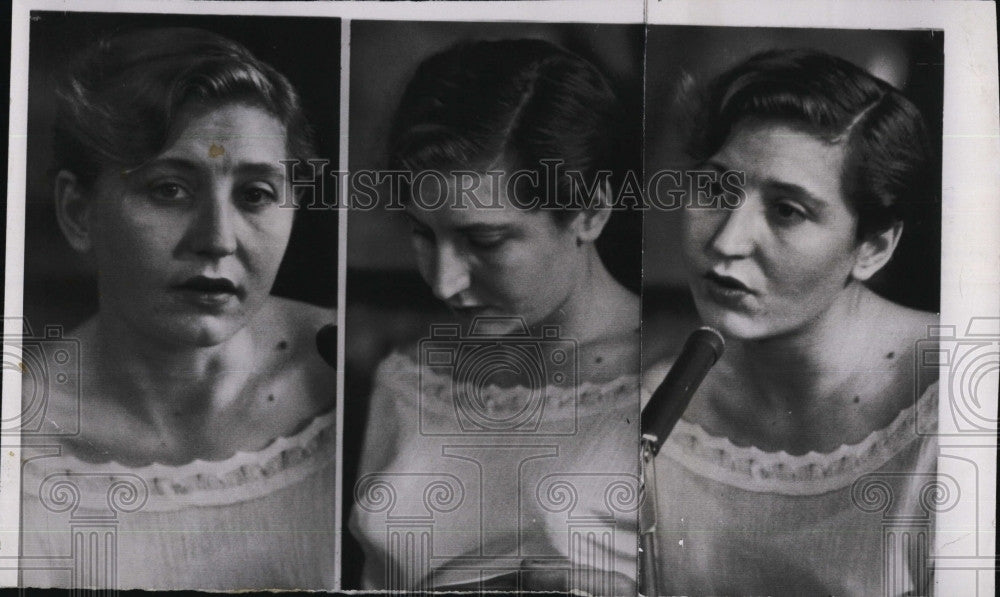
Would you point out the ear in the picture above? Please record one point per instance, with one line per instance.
(590, 222)
(73, 211)
(876, 251)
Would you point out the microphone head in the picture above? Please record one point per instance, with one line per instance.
(326, 344)
(709, 337)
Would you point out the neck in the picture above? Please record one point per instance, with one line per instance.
(587, 312)
(799, 371)
(158, 381)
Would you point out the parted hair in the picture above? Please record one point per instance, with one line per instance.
(509, 104)
(887, 166)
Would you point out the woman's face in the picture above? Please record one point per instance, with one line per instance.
(495, 261)
(188, 245)
(778, 261)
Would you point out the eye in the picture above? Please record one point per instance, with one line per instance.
(258, 195)
(487, 241)
(169, 191)
(717, 193)
(787, 213)
(421, 232)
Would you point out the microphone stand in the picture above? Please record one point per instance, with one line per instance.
(648, 579)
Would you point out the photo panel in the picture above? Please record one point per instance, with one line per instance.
(178, 424)
(758, 133)
(492, 327)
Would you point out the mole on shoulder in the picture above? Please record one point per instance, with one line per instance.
(599, 360)
(857, 399)
(270, 397)
(890, 355)
(282, 345)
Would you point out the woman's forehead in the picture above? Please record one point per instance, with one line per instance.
(227, 130)
(785, 155)
(467, 214)
(472, 195)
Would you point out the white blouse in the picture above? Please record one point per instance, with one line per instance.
(258, 520)
(457, 488)
(855, 521)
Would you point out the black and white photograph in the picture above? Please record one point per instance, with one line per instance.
(183, 432)
(805, 166)
(491, 401)
(644, 297)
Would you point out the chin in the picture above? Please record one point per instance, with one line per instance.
(733, 324)
(204, 332)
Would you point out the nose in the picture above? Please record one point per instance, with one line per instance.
(449, 273)
(734, 232)
(214, 231)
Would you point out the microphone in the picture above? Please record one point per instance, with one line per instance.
(703, 348)
(326, 344)
(668, 402)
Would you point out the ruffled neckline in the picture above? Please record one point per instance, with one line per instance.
(753, 469)
(398, 372)
(244, 476)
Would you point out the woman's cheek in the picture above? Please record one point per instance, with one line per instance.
(695, 231)
(423, 257)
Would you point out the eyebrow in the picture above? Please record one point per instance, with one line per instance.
(484, 228)
(800, 193)
(413, 220)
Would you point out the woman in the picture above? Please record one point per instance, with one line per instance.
(205, 432)
(488, 441)
(764, 485)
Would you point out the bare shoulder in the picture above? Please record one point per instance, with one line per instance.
(911, 324)
(615, 351)
(285, 332)
(282, 316)
(53, 404)
(900, 337)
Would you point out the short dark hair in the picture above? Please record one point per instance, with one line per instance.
(116, 103)
(514, 102)
(887, 164)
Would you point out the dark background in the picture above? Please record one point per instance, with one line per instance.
(59, 284)
(913, 61)
(388, 304)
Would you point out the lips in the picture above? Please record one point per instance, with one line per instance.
(726, 290)
(210, 285)
(726, 282)
(208, 291)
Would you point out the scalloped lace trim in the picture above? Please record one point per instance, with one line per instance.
(398, 372)
(753, 469)
(244, 476)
